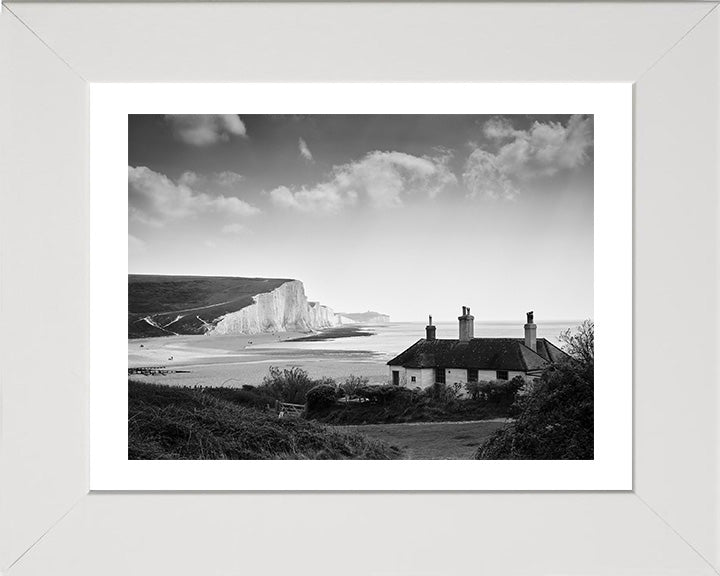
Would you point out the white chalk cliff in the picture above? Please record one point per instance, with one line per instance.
(284, 309)
(368, 317)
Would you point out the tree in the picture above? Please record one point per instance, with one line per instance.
(580, 342)
(555, 420)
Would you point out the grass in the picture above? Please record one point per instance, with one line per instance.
(432, 440)
(191, 424)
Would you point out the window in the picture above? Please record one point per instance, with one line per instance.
(440, 375)
(472, 375)
(396, 377)
(501, 374)
(412, 378)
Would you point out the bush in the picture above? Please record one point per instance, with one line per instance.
(555, 419)
(352, 384)
(473, 390)
(320, 397)
(288, 384)
(444, 393)
(500, 390)
(383, 393)
(388, 404)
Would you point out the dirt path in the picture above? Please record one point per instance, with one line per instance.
(433, 440)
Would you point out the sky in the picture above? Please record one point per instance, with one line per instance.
(401, 214)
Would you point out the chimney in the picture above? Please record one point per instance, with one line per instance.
(466, 324)
(430, 330)
(531, 333)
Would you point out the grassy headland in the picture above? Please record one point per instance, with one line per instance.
(178, 301)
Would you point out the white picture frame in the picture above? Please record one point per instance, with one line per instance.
(50, 523)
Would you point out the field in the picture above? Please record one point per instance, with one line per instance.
(431, 440)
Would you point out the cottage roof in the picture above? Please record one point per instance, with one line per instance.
(549, 351)
(480, 353)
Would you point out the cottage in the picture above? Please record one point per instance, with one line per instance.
(468, 359)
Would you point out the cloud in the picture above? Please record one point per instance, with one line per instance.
(155, 199)
(234, 228)
(216, 182)
(304, 150)
(136, 247)
(543, 150)
(483, 177)
(323, 198)
(383, 179)
(499, 128)
(229, 178)
(205, 129)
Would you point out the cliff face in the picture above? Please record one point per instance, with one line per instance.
(368, 317)
(172, 305)
(322, 316)
(284, 309)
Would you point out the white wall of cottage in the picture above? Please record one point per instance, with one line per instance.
(425, 377)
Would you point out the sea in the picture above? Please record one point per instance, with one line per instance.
(235, 361)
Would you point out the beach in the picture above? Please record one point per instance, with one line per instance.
(236, 360)
(245, 359)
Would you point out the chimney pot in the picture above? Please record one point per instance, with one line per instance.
(430, 330)
(531, 332)
(466, 324)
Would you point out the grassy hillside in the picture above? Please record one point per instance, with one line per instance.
(198, 299)
(185, 423)
(432, 440)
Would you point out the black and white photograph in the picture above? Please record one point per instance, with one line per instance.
(361, 287)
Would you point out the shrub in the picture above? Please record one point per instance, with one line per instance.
(528, 388)
(383, 393)
(444, 393)
(473, 390)
(352, 384)
(288, 384)
(326, 381)
(500, 390)
(320, 397)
